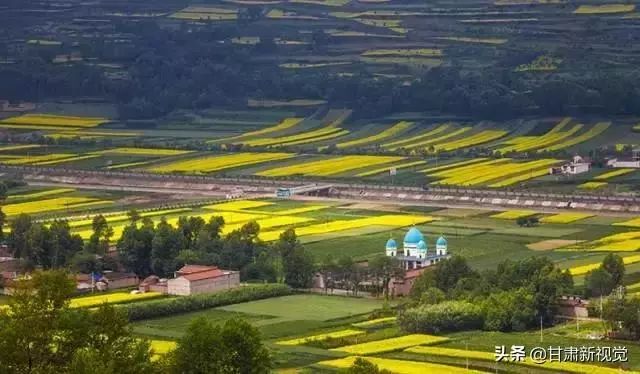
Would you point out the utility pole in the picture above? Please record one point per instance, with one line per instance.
(540, 329)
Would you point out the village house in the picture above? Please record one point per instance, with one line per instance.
(633, 162)
(578, 165)
(193, 280)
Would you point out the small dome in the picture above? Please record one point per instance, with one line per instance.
(441, 241)
(391, 244)
(413, 236)
(422, 246)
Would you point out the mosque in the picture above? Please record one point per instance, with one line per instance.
(414, 253)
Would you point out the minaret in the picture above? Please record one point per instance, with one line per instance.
(441, 246)
(391, 248)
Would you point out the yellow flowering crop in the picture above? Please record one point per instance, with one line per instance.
(122, 216)
(269, 222)
(489, 171)
(212, 163)
(469, 141)
(386, 169)
(54, 120)
(453, 165)
(328, 167)
(391, 220)
(579, 270)
(416, 138)
(385, 134)
(286, 124)
(514, 214)
(596, 130)
(621, 246)
(5, 148)
(111, 298)
(474, 40)
(143, 151)
(555, 135)
(604, 9)
(300, 138)
(161, 347)
(48, 205)
(630, 223)
(567, 367)
(329, 335)
(423, 144)
(400, 366)
(565, 217)
(238, 205)
(592, 185)
(374, 322)
(39, 158)
(613, 173)
(60, 161)
(34, 195)
(391, 344)
(415, 52)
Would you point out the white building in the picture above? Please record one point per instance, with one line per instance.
(414, 253)
(196, 279)
(633, 162)
(577, 166)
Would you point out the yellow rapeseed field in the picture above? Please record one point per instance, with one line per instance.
(391, 344)
(425, 144)
(329, 335)
(60, 161)
(635, 222)
(592, 185)
(212, 163)
(239, 205)
(469, 141)
(5, 148)
(111, 298)
(161, 347)
(566, 367)
(28, 160)
(604, 9)
(514, 214)
(48, 205)
(35, 195)
(565, 217)
(613, 173)
(453, 165)
(474, 40)
(580, 270)
(385, 134)
(400, 366)
(596, 130)
(54, 120)
(386, 169)
(123, 216)
(374, 322)
(529, 143)
(323, 133)
(331, 166)
(497, 173)
(285, 124)
(416, 138)
(391, 221)
(143, 151)
(269, 223)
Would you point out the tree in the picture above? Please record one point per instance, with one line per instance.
(135, 246)
(63, 244)
(39, 333)
(362, 366)
(3, 217)
(165, 246)
(297, 264)
(236, 347)
(99, 241)
(386, 268)
(432, 296)
(598, 282)
(18, 240)
(614, 265)
(450, 271)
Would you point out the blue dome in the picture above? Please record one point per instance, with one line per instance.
(391, 244)
(413, 236)
(441, 241)
(422, 246)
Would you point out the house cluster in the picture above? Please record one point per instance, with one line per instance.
(630, 162)
(188, 280)
(577, 165)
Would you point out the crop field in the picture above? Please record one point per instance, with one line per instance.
(565, 217)
(392, 344)
(53, 204)
(53, 121)
(492, 173)
(330, 335)
(143, 152)
(112, 298)
(205, 13)
(390, 132)
(399, 366)
(37, 195)
(330, 167)
(5, 148)
(514, 214)
(604, 9)
(212, 163)
(612, 174)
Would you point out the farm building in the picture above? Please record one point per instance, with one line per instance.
(414, 253)
(633, 162)
(578, 165)
(402, 287)
(193, 280)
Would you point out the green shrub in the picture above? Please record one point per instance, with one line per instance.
(445, 316)
(184, 304)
